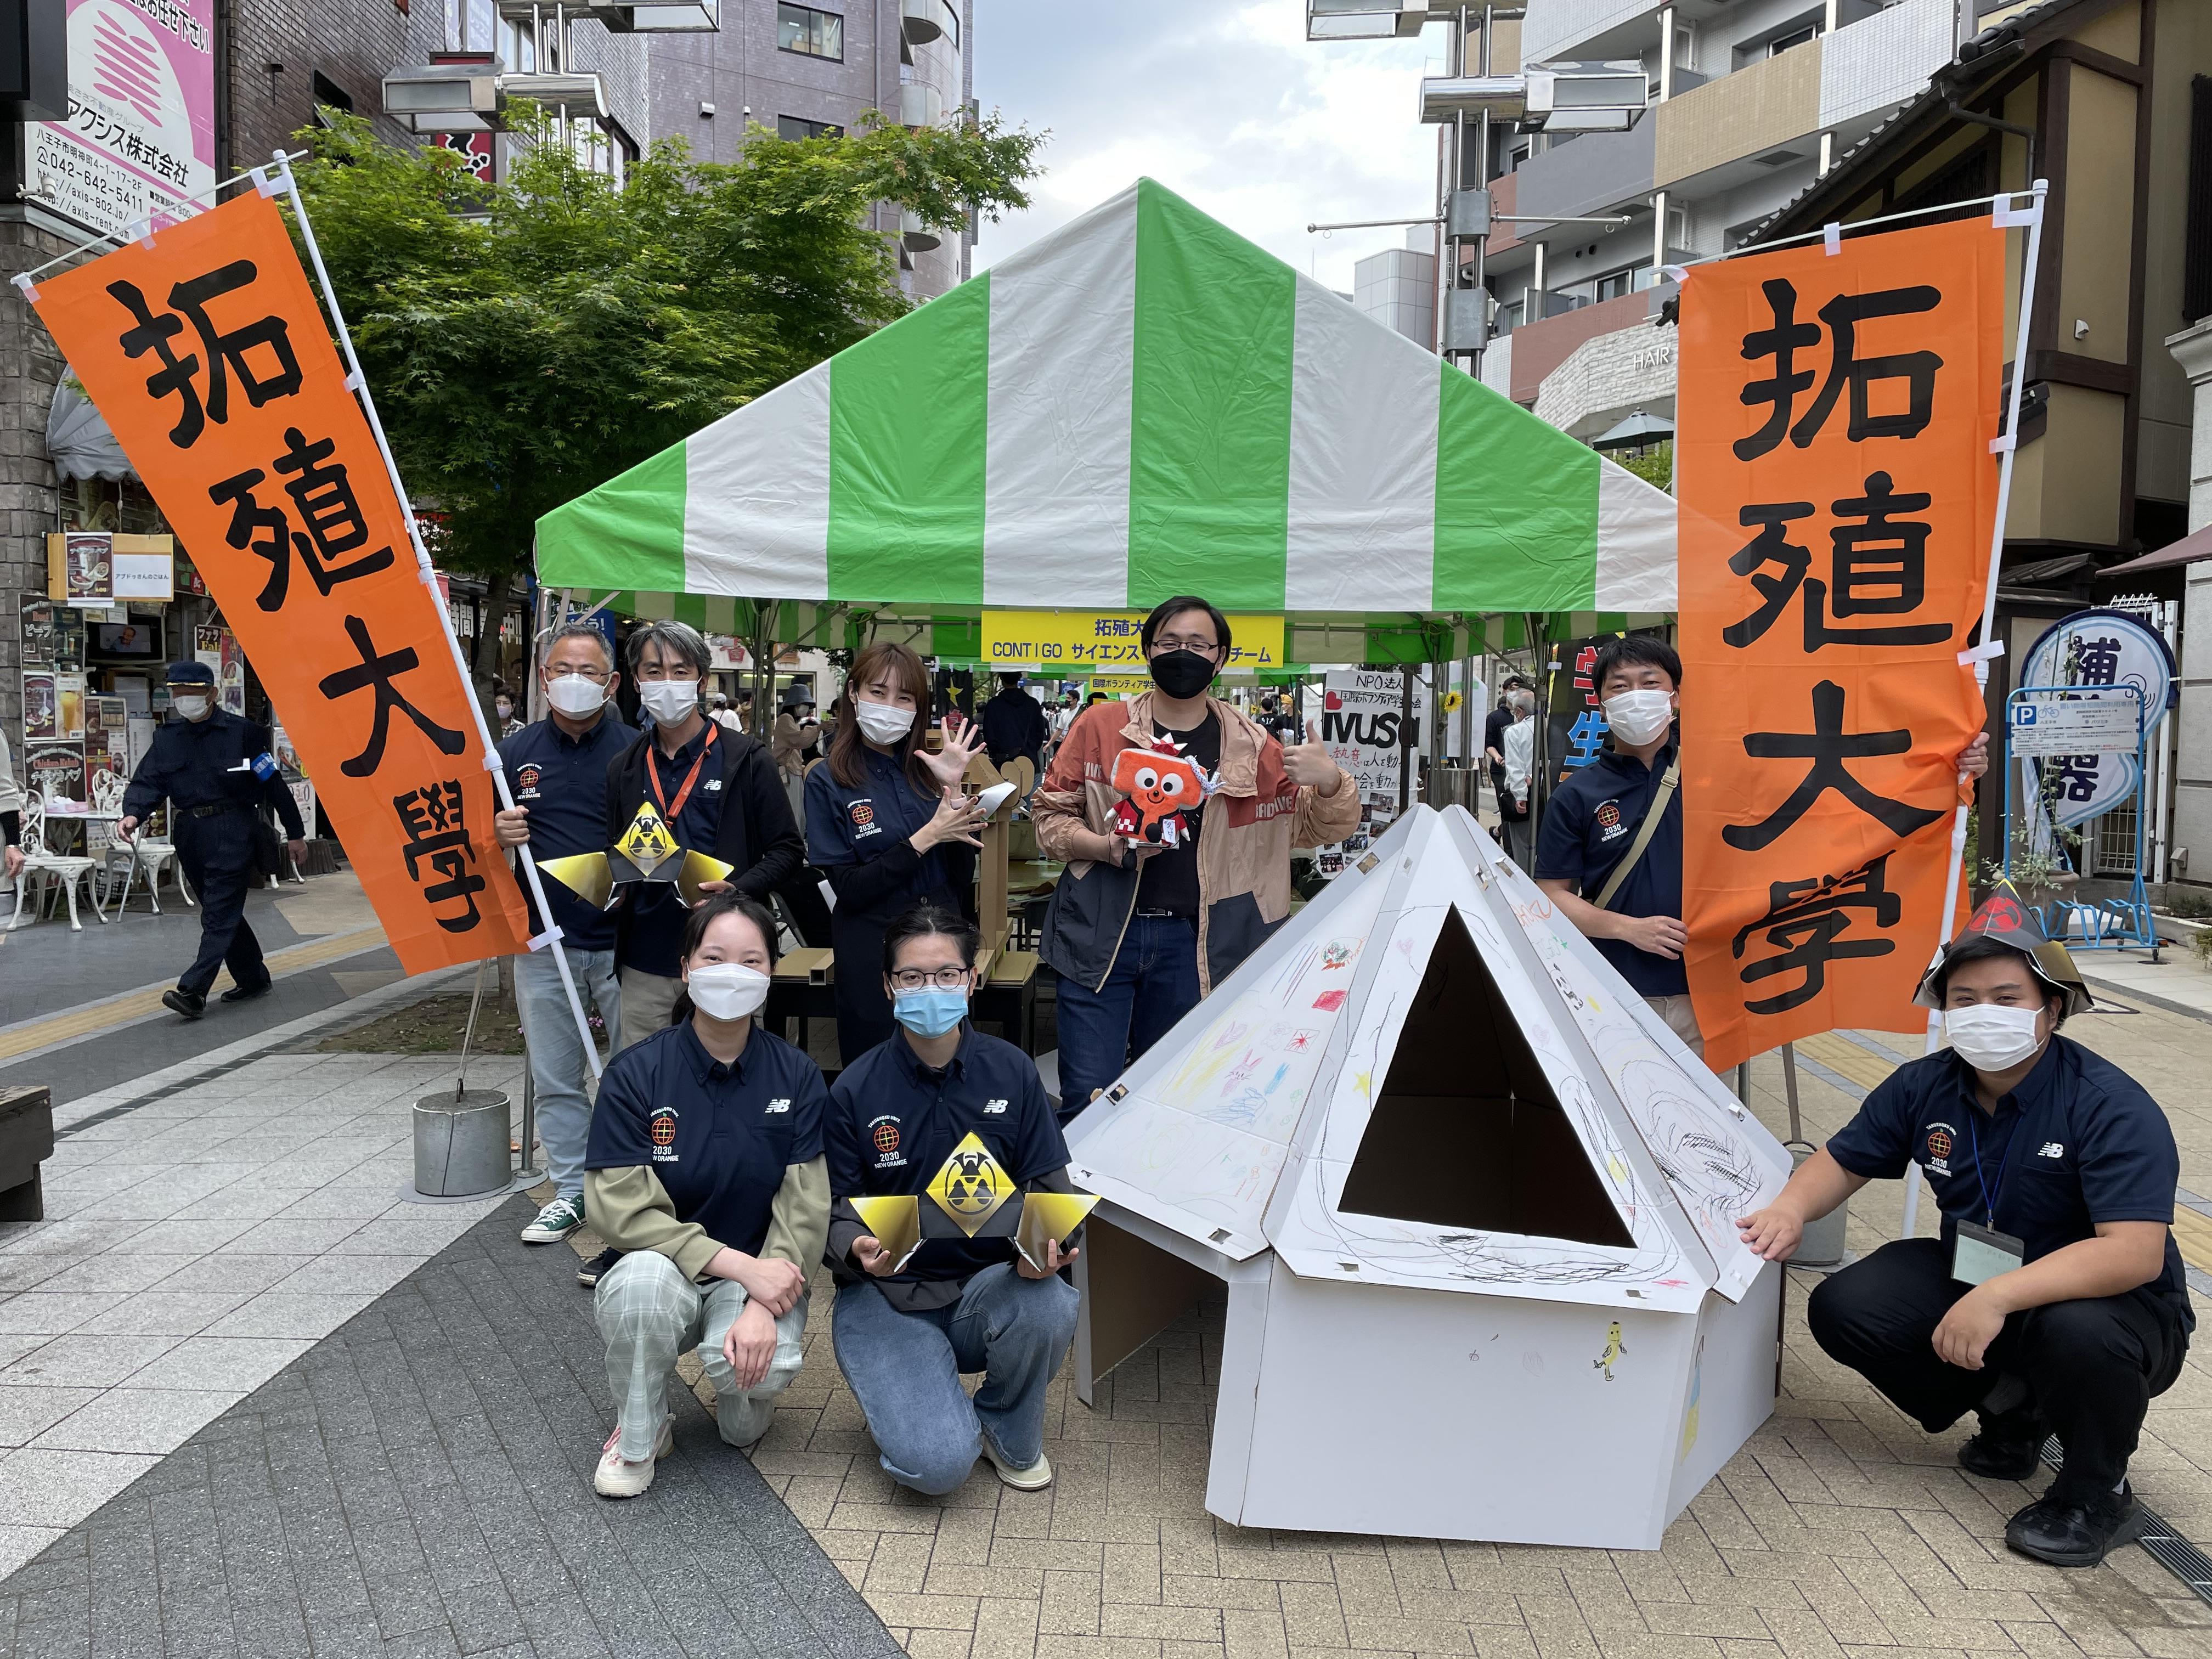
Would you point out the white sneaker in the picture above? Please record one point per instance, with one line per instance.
(1036, 1478)
(617, 1477)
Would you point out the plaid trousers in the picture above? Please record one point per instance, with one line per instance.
(649, 1312)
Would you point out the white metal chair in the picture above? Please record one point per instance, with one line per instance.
(147, 853)
(43, 864)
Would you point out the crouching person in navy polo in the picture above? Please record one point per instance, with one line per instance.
(904, 1335)
(705, 1166)
(2054, 1301)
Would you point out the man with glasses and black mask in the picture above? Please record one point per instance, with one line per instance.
(216, 770)
(557, 768)
(718, 792)
(1139, 931)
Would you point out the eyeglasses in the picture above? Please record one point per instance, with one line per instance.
(1182, 642)
(916, 979)
(598, 676)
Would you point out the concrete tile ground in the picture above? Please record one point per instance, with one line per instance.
(1841, 1529)
(418, 1484)
(1838, 1530)
(195, 1245)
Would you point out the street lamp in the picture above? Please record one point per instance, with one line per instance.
(649, 17)
(1371, 20)
(1557, 98)
(453, 93)
(1549, 98)
(1554, 98)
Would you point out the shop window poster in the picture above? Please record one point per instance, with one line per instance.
(40, 711)
(55, 770)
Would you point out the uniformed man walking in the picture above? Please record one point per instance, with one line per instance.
(203, 762)
(2054, 1303)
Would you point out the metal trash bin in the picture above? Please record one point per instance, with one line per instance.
(461, 1143)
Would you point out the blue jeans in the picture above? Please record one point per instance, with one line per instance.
(905, 1369)
(558, 1076)
(1153, 984)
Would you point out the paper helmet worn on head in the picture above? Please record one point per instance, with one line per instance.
(2004, 917)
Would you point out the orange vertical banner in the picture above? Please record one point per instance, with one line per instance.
(1838, 494)
(209, 356)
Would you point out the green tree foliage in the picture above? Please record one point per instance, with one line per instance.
(1654, 465)
(527, 341)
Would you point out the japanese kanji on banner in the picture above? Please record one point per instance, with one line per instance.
(207, 355)
(1838, 496)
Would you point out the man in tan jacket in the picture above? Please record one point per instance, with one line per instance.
(1142, 926)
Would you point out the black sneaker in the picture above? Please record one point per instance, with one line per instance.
(247, 993)
(2070, 1532)
(588, 1274)
(191, 1004)
(2008, 1448)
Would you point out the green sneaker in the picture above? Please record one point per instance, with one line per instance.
(554, 1222)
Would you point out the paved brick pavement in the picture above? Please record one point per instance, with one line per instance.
(205, 1228)
(419, 1484)
(1841, 1529)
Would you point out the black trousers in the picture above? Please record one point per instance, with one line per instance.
(864, 1011)
(219, 863)
(2091, 1367)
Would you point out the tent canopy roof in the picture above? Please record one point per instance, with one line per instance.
(1141, 404)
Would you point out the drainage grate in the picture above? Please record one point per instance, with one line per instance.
(2161, 1542)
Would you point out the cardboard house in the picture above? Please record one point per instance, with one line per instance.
(1474, 1206)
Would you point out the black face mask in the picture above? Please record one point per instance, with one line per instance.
(1180, 673)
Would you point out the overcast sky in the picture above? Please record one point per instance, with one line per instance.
(1223, 101)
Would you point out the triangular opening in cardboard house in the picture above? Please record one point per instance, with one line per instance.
(1426, 1121)
(1413, 1163)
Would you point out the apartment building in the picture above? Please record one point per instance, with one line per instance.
(1751, 101)
(805, 69)
(2109, 101)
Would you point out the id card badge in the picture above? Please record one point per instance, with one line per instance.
(1980, 1254)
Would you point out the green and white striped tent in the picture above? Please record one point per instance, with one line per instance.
(1141, 404)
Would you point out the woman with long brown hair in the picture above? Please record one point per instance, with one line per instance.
(883, 818)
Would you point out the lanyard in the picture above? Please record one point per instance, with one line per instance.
(1988, 1193)
(668, 814)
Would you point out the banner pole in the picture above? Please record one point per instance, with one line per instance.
(2033, 218)
(357, 383)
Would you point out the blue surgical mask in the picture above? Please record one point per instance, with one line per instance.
(931, 1012)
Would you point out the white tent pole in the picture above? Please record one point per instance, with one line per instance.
(2008, 450)
(358, 384)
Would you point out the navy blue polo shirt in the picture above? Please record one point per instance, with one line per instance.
(655, 945)
(849, 825)
(1588, 826)
(893, 1121)
(2078, 1142)
(563, 781)
(719, 1137)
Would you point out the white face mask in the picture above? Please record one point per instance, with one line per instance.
(671, 702)
(1636, 717)
(575, 696)
(882, 722)
(194, 708)
(726, 990)
(1992, 1037)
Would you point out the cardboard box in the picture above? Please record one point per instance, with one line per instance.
(1475, 1208)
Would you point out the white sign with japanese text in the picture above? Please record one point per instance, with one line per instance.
(2085, 726)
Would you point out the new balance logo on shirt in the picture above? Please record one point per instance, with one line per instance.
(994, 1108)
(2050, 1149)
(783, 1105)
